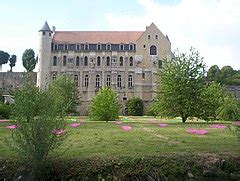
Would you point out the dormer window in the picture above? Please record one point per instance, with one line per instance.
(86, 47)
(55, 47)
(65, 47)
(156, 37)
(43, 32)
(50, 34)
(108, 46)
(131, 47)
(99, 46)
(78, 47)
(121, 47)
(149, 37)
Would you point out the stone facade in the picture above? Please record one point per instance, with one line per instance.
(125, 61)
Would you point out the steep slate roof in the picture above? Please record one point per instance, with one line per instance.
(114, 37)
(45, 27)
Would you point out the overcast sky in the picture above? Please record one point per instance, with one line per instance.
(211, 26)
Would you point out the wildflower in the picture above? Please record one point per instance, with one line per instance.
(58, 131)
(74, 125)
(12, 127)
(197, 131)
(162, 125)
(218, 126)
(126, 128)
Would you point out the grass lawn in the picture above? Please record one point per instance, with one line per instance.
(146, 138)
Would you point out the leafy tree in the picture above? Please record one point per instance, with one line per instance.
(29, 60)
(213, 73)
(135, 106)
(212, 97)
(37, 114)
(229, 110)
(12, 61)
(104, 106)
(181, 82)
(64, 88)
(4, 57)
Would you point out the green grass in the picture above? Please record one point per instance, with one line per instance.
(108, 139)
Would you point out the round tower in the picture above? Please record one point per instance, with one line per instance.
(44, 58)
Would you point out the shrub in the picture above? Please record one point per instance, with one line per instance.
(152, 110)
(104, 106)
(135, 106)
(5, 111)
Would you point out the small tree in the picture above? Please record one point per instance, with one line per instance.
(29, 60)
(64, 88)
(104, 106)
(135, 106)
(213, 73)
(181, 81)
(12, 61)
(4, 57)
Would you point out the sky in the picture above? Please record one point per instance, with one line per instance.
(211, 26)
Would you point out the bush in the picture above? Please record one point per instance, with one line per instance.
(5, 111)
(152, 110)
(104, 106)
(135, 106)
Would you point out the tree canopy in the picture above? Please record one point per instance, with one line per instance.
(4, 57)
(29, 60)
(12, 61)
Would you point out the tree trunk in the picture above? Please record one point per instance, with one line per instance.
(10, 68)
(184, 118)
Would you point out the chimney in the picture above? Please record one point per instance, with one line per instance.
(53, 29)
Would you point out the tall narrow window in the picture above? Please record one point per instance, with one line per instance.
(131, 61)
(153, 50)
(98, 81)
(85, 61)
(131, 47)
(149, 37)
(55, 47)
(119, 81)
(108, 80)
(143, 75)
(121, 61)
(108, 47)
(78, 47)
(77, 61)
(98, 61)
(86, 81)
(121, 47)
(86, 47)
(54, 61)
(108, 61)
(160, 64)
(130, 81)
(99, 46)
(65, 47)
(64, 60)
(76, 80)
(156, 36)
(53, 76)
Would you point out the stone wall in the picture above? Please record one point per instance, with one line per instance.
(235, 90)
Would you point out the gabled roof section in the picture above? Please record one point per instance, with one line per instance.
(45, 27)
(114, 37)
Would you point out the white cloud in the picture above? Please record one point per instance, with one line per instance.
(212, 26)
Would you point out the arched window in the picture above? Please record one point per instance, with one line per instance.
(77, 61)
(97, 80)
(153, 50)
(86, 81)
(55, 61)
(131, 61)
(108, 80)
(85, 61)
(99, 46)
(98, 61)
(130, 81)
(76, 80)
(121, 61)
(108, 61)
(53, 76)
(121, 47)
(119, 81)
(131, 47)
(64, 60)
(108, 46)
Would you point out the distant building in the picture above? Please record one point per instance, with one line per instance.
(126, 61)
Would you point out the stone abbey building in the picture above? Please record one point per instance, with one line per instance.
(126, 61)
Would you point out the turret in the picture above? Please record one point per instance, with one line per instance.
(44, 58)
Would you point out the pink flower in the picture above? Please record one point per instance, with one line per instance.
(218, 126)
(197, 131)
(3, 120)
(118, 122)
(58, 131)
(162, 125)
(74, 125)
(126, 128)
(12, 127)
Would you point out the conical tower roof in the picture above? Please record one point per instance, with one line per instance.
(45, 27)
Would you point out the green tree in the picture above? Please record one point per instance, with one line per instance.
(213, 73)
(212, 97)
(29, 60)
(64, 88)
(229, 110)
(135, 106)
(104, 106)
(4, 57)
(37, 114)
(181, 81)
(12, 61)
